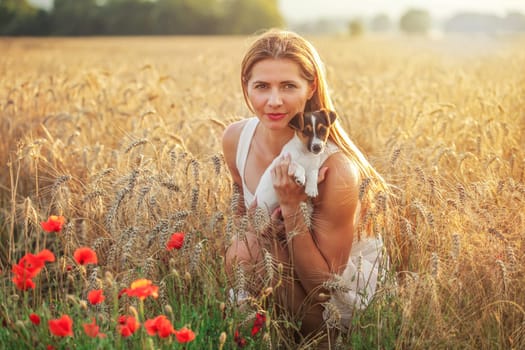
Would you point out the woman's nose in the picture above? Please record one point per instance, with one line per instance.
(275, 98)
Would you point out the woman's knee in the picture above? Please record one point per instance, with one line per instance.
(242, 252)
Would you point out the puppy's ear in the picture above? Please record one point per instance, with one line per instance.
(329, 116)
(332, 116)
(297, 122)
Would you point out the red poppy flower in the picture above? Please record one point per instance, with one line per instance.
(28, 267)
(184, 335)
(85, 256)
(122, 292)
(176, 241)
(61, 327)
(53, 224)
(239, 340)
(23, 283)
(35, 319)
(142, 288)
(159, 325)
(127, 325)
(46, 255)
(96, 296)
(92, 330)
(259, 322)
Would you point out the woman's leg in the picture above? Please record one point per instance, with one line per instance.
(293, 298)
(245, 253)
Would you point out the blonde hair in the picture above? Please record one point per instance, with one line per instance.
(282, 44)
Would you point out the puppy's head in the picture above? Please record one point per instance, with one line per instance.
(313, 128)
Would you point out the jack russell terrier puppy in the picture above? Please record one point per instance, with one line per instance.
(308, 149)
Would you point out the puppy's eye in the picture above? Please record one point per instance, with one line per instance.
(308, 130)
(322, 130)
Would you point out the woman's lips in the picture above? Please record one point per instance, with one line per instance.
(276, 116)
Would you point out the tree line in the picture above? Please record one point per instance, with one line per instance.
(420, 21)
(139, 17)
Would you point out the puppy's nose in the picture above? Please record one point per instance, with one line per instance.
(316, 148)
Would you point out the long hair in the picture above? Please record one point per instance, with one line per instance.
(282, 44)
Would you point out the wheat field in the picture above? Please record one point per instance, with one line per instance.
(122, 136)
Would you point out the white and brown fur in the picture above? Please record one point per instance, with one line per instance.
(307, 150)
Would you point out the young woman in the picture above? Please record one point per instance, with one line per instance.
(330, 256)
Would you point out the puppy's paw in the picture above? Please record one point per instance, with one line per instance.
(311, 189)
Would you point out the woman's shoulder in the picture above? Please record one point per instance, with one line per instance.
(343, 163)
(233, 130)
(342, 173)
(230, 139)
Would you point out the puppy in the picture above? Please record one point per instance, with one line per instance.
(307, 150)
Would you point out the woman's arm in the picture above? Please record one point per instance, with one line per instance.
(318, 253)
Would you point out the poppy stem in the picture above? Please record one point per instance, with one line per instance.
(26, 300)
(141, 319)
(116, 311)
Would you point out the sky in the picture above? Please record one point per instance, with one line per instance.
(302, 10)
(42, 3)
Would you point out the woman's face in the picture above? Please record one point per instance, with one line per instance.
(277, 91)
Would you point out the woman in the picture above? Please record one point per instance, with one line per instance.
(327, 258)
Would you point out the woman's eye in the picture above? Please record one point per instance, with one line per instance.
(289, 86)
(260, 86)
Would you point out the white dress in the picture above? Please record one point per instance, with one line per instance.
(361, 274)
